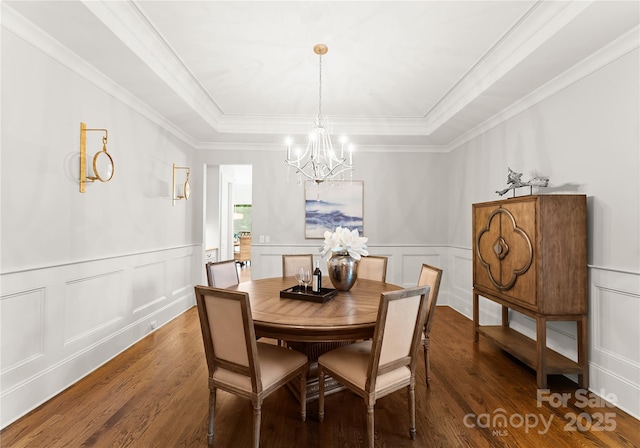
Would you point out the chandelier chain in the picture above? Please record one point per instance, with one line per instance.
(320, 93)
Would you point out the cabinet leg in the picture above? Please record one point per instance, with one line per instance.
(476, 317)
(541, 350)
(583, 352)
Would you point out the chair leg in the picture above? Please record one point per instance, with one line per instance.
(427, 369)
(320, 393)
(370, 424)
(303, 395)
(212, 408)
(412, 410)
(257, 415)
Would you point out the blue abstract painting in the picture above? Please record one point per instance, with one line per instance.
(332, 204)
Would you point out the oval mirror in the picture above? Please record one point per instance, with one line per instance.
(187, 190)
(103, 166)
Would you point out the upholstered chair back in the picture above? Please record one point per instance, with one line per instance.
(291, 263)
(373, 267)
(431, 277)
(398, 333)
(231, 343)
(222, 274)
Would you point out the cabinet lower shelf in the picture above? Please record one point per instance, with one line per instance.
(525, 349)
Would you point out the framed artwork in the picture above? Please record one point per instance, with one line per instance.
(331, 204)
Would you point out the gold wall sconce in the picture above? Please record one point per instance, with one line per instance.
(180, 190)
(103, 167)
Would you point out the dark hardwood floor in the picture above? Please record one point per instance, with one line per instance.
(155, 395)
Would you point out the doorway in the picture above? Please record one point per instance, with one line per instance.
(228, 209)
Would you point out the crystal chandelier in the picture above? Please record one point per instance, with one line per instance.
(320, 161)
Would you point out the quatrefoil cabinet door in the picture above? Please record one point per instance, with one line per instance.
(504, 235)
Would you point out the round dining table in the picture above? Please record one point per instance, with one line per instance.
(347, 316)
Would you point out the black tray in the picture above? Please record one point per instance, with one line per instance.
(298, 292)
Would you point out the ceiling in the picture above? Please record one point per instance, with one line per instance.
(411, 74)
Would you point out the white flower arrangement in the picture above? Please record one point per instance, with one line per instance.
(345, 240)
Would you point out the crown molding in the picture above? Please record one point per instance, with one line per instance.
(532, 30)
(34, 36)
(280, 147)
(301, 125)
(135, 30)
(625, 44)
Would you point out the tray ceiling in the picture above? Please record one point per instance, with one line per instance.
(417, 74)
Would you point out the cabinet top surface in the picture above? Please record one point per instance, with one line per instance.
(532, 197)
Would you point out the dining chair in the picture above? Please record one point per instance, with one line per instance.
(373, 267)
(222, 274)
(237, 363)
(429, 276)
(291, 263)
(382, 365)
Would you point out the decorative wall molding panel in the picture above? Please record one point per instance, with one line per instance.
(615, 353)
(92, 304)
(149, 285)
(22, 318)
(83, 315)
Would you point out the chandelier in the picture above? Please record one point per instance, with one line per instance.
(320, 161)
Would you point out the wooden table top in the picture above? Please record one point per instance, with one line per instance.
(348, 315)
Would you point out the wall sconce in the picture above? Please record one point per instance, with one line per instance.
(180, 190)
(103, 166)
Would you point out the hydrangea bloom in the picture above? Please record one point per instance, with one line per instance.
(345, 240)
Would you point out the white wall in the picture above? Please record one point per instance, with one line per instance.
(398, 208)
(401, 213)
(83, 275)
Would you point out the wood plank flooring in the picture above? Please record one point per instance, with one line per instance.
(155, 395)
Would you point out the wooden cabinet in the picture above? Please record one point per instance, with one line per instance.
(530, 255)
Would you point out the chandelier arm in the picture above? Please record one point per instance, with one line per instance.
(300, 158)
(343, 167)
(315, 177)
(300, 171)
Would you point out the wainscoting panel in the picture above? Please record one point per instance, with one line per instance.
(180, 275)
(59, 323)
(92, 304)
(615, 351)
(148, 286)
(22, 323)
(412, 263)
(269, 263)
(616, 309)
(459, 274)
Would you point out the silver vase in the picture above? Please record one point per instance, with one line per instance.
(342, 271)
